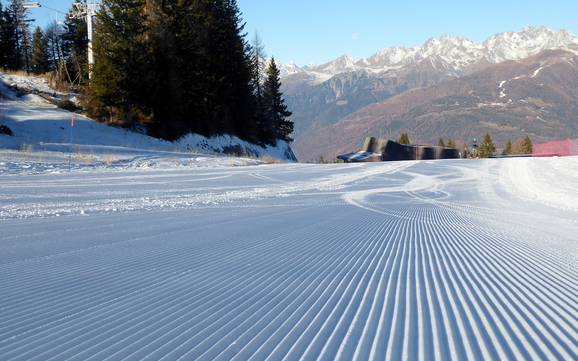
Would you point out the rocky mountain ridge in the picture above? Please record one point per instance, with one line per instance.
(455, 54)
(321, 96)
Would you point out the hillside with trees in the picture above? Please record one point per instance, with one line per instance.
(183, 67)
(58, 49)
(175, 67)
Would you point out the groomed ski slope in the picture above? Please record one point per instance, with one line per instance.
(447, 260)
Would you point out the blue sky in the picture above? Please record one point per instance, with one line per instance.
(315, 31)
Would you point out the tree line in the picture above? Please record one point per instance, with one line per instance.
(450, 143)
(15, 39)
(174, 66)
(486, 148)
(185, 66)
(59, 49)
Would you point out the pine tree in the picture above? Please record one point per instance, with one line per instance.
(9, 56)
(118, 86)
(257, 66)
(487, 148)
(18, 23)
(232, 65)
(404, 139)
(39, 59)
(184, 66)
(190, 68)
(54, 46)
(74, 46)
(278, 125)
(508, 149)
(441, 143)
(258, 69)
(202, 69)
(527, 146)
(175, 97)
(26, 48)
(3, 52)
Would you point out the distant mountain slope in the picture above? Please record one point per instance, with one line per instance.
(320, 96)
(315, 106)
(537, 96)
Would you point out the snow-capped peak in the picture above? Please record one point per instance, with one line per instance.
(288, 69)
(390, 57)
(456, 54)
(342, 64)
(528, 42)
(444, 44)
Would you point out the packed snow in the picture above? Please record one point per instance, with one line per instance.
(432, 260)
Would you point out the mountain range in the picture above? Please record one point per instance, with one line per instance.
(511, 85)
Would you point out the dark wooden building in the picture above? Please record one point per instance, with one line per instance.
(381, 150)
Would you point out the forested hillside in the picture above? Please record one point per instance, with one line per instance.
(183, 67)
(176, 67)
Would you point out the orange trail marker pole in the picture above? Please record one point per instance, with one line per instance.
(70, 153)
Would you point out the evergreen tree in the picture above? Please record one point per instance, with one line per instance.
(182, 65)
(118, 86)
(74, 46)
(258, 69)
(487, 147)
(9, 57)
(232, 67)
(39, 60)
(3, 50)
(404, 139)
(54, 46)
(189, 74)
(257, 66)
(26, 48)
(451, 144)
(441, 143)
(202, 67)
(508, 149)
(527, 146)
(170, 40)
(18, 24)
(278, 125)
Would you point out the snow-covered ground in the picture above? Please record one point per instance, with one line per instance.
(434, 260)
(37, 124)
(31, 84)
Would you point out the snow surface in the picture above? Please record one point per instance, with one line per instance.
(30, 84)
(433, 260)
